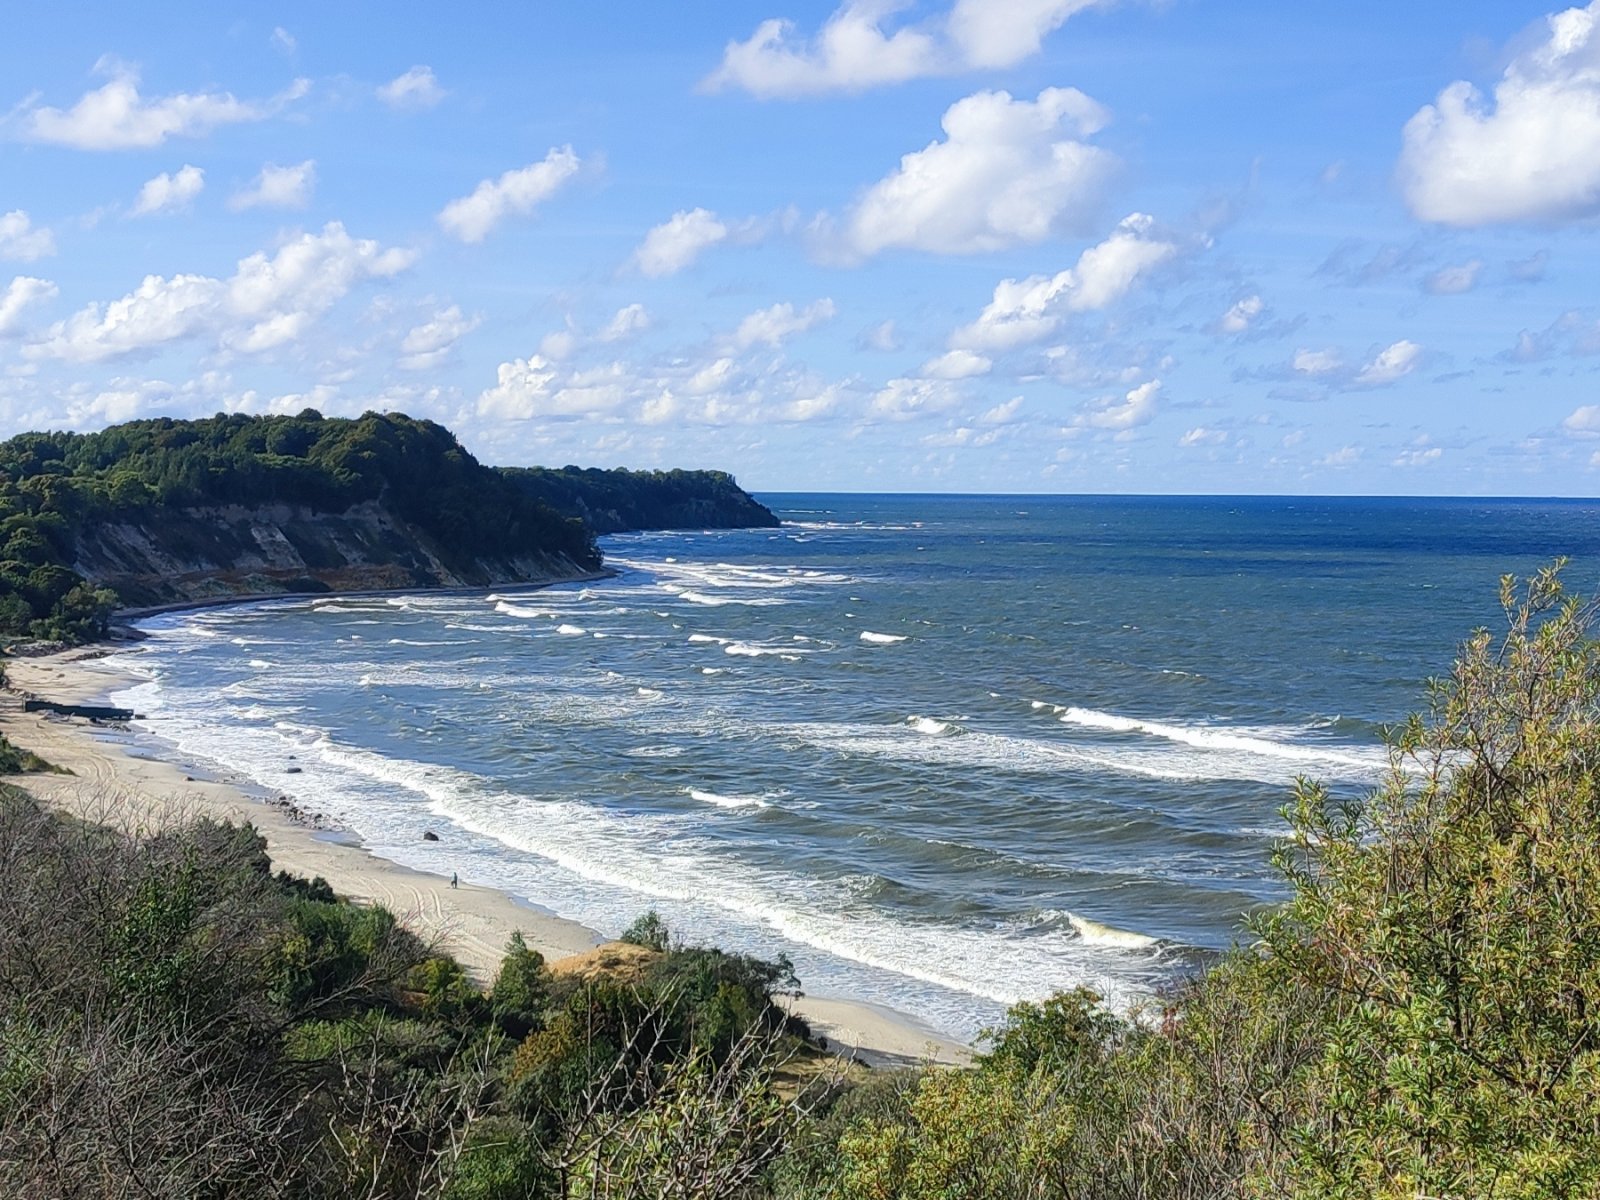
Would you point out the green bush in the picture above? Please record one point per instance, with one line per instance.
(521, 988)
(649, 931)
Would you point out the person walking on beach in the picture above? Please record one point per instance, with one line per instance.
(454, 882)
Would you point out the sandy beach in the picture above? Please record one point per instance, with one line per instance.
(121, 778)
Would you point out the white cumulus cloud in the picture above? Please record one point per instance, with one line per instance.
(1391, 363)
(903, 399)
(1454, 280)
(429, 344)
(271, 299)
(20, 241)
(1028, 310)
(1583, 419)
(628, 321)
(533, 387)
(1137, 407)
(516, 193)
(855, 49)
(21, 292)
(116, 117)
(415, 89)
(956, 364)
(1241, 316)
(1008, 172)
(678, 241)
(1531, 153)
(1317, 362)
(278, 187)
(775, 325)
(168, 193)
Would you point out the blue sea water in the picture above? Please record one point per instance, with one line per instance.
(945, 752)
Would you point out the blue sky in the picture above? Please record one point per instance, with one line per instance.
(970, 245)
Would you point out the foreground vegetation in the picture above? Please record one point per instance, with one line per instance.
(1418, 1019)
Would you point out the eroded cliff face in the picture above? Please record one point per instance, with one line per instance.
(209, 553)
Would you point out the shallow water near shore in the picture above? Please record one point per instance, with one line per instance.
(945, 752)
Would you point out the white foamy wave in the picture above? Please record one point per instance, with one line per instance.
(706, 637)
(648, 693)
(1093, 933)
(719, 601)
(881, 639)
(1001, 752)
(726, 801)
(571, 630)
(713, 670)
(655, 752)
(260, 664)
(520, 610)
(441, 642)
(751, 650)
(261, 712)
(1206, 738)
(933, 727)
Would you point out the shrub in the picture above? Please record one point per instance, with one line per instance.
(521, 988)
(649, 931)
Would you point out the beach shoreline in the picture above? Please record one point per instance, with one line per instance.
(137, 781)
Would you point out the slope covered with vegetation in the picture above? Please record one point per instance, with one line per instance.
(178, 1022)
(1420, 1018)
(163, 511)
(245, 503)
(618, 500)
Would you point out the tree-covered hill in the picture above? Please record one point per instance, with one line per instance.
(161, 510)
(611, 501)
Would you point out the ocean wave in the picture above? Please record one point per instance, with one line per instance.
(440, 642)
(881, 639)
(751, 650)
(719, 601)
(1006, 752)
(852, 526)
(706, 637)
(518, 610)
(933, 727)
(571, 630)
(722, 801)
(1093, 933)
(1212, 738)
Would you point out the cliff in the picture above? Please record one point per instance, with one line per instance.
(166, 512)
(619, 500)
(174, 556)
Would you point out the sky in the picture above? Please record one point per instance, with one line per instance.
(1141, 246)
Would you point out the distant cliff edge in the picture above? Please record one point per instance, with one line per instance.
(619, 500)
(166, 511)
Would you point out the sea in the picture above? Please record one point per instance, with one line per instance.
(946, 753)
